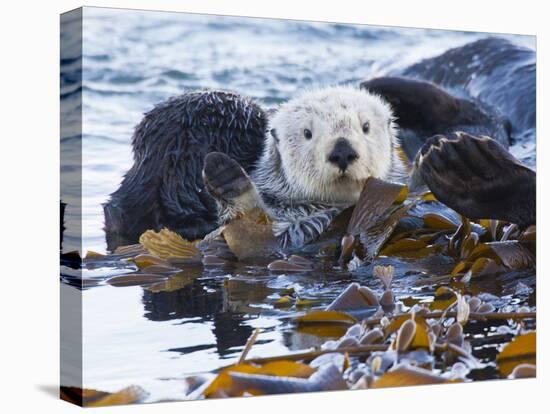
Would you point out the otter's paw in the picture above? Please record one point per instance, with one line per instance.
(230, 186)
(478, 178)
(223, 177)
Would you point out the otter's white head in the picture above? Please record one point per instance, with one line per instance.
(331, 140)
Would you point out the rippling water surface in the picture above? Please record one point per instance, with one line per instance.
(134, 59)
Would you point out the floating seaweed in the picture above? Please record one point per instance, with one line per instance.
(521, 350)
(421, 346)
(367, 336)
(136, 279)
(168, 244)
(250, 235)
(94, 398)
(224, 384)
(408, 376)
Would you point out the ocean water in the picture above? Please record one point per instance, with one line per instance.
(134, 59)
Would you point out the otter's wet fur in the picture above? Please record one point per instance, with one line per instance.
(424, 109)
(164, 187)
(493, 71)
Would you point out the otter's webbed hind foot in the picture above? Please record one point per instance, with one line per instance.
(478, 178)
(229, 185)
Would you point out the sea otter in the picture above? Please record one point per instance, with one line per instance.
(321, 147)
(310, 161)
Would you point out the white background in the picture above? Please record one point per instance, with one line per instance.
(29, 202)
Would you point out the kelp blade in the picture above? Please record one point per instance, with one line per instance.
(168, 244)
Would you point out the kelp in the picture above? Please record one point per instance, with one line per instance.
(168, 244)
(159, 268)
(521, 350)
(399, 349)
(511, 254)
(373, 220)
(376, 236)
(403, 246)
(136, 279)
(409, 376)
(524, 371)
(146, 260)
(431, 334)
(250, 235)
(496, 257)
(94, 398)
(371, 232)
(354, 297)
(327, 378)
(130, 250)
(224, 385)
(326, 316)
(322, 330)
(375, 199)
(394, 355)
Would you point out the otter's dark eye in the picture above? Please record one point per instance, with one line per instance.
(307, 134)
(366, 127)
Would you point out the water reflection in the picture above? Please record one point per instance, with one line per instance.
(206, 301)
(236, 304)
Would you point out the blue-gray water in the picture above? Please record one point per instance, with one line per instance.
(131, 61)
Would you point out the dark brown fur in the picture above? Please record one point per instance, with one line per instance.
(423, 109)
(493, 70)
(164, 187)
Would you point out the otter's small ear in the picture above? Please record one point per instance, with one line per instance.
(273, 133)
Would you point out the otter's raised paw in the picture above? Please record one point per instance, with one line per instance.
(229, 184)
(223, 177)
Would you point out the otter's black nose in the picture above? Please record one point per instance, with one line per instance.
(343, 154)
